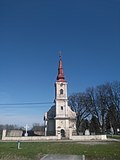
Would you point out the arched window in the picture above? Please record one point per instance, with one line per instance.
(61, 91)
(62, 132)
(61, 107)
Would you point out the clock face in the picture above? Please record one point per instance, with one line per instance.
(61, 84)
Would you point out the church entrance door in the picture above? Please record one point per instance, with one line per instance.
(62, 133)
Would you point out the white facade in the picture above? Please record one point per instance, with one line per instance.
(65, 117)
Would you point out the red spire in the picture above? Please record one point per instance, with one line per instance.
(60, 76)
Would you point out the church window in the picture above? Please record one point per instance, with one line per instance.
(61, 84)
(61, 91)
(61, 107)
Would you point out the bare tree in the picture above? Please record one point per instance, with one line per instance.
(38, 127)
(79, 104)
(100, 104)
(113, 113)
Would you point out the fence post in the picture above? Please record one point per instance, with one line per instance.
(83, 157)
(3, 134)
(18, 145)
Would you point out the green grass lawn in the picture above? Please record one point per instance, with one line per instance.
(114, 136)
(34, 150)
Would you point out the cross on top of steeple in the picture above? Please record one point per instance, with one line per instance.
(60, 54)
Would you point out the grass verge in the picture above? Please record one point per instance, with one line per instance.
(114, 136)
(35, 150)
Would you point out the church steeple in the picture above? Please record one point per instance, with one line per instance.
(60, 119)
(60, 76)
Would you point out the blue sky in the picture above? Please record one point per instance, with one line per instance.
(31, 34)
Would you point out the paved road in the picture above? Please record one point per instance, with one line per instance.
(63, 157)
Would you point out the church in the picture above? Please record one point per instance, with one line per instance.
(60, 118)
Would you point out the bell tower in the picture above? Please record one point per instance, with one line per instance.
(61, 84)
(61, 101)
(60, 118)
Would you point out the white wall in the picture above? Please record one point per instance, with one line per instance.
(29, 138)
(37, 138)
(90, 137)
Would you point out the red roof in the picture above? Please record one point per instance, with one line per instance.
(60, 76)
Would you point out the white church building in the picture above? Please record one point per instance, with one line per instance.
(60, 119)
